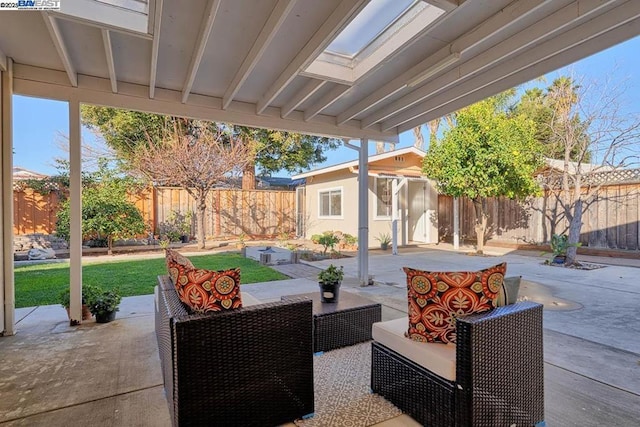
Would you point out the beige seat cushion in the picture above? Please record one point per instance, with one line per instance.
(437, 357)
(248, 299)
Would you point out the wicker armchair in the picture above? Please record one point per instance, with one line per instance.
(499, 377)
(244, 367)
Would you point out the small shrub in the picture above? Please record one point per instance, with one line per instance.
(89, 293)
(176, 226)
(384, 238)
(350, 240)
(560, 244)
(328, 240)
(98, 242)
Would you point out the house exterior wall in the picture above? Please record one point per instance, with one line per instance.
(348, 222)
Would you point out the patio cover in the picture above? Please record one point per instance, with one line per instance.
(284, 64)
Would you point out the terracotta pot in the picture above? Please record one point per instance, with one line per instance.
(86, 314)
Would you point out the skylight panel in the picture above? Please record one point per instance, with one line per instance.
(372, 21)
(140, 6)
(129, 15)
(380, 28)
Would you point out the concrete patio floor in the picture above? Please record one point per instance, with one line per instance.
(109, 375)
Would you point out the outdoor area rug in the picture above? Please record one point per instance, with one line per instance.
(342, 390)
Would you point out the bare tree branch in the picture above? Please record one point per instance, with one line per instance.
(596, 136)
(196, 159)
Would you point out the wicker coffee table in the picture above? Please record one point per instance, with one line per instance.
(341, 324)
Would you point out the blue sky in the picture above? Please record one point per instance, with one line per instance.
(39, 123)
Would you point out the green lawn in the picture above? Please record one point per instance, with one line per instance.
(40, 284)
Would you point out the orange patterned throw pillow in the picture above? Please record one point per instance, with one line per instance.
(175, 260)
(437, 298)
(205, 290)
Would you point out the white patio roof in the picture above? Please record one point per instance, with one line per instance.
(274, 64)
(263, 63)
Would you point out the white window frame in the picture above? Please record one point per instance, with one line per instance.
(329, 190)
(377, 217)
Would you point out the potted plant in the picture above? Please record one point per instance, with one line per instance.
(88, 293)
(105, 304)
(177, 227)
(384, 239)
(329, 281)
(185, 227)
(559, 246)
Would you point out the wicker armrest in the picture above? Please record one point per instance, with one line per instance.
(500, 365)
(248, 366)
(499, 373)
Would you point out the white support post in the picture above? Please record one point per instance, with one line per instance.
(363, 212)
(395, 192)
(7, 290)
(456, 223)
(394, 217)
(75, 198)
(405, 216)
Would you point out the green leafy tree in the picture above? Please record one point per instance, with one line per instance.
(486, 152)
(544, 106)
(106, 211)
(269, 150)
(274, 150)
(124, 130)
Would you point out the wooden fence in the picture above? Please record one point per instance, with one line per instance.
(611, 221)
(34, 212)
(230, 212)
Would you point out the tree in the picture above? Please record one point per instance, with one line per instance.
(419, 139)
(193, 155)
(124, 130)
(542, 106)
(485, 153)
(433, 126)
(593, 135)
(106, 211)
(433, 130)
(274, 150)
(270, 150)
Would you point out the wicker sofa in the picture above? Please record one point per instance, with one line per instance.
(497, 369)
(251, 366)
